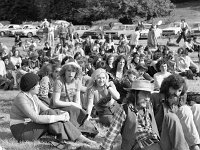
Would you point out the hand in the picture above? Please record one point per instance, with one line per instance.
(65, 116)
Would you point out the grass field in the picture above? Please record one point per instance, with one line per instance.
(189, 11)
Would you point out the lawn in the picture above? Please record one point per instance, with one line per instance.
(190, 11)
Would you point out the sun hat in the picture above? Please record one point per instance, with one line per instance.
(141, 85)
(28, 81)
(72, 62)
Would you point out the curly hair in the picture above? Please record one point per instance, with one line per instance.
(175, 81)
(46, 70)
(117, 61)
(160, 63)
(107, 59)
(65, 67)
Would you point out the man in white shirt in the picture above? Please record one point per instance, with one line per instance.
(134, 38)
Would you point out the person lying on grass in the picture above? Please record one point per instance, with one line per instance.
(30, 119)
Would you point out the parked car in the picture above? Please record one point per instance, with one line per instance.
(95, 31)
(25, 30)
(145, 31)
(5, 29)
(80, 29)
(195, 29)
(118, 30)
(173, 29)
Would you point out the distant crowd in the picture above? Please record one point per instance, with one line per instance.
(93, 78)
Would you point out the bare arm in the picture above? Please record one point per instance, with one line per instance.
(90, 101)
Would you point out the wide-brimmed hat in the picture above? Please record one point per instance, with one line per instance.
(141, 85)
(72, 62)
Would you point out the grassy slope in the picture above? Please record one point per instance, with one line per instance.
(189, 11)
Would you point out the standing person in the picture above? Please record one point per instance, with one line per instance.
(30, 119)
(184, 28)
(152, 39)
(18, 40)
(51, 34)
(45, 32)
(71, 31)
(62, 32)
(135, 121)
(134, 39)
(177, 122)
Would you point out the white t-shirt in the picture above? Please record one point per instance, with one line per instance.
(183, 64)
(135, 38)
(2, 68)
(158, 79)
(16, 60)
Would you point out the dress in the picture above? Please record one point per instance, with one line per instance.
(152, 41)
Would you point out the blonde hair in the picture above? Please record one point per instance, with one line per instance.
(94, 76)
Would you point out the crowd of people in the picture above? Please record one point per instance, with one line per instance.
(125, 87)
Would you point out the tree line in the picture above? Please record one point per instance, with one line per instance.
(84, 11)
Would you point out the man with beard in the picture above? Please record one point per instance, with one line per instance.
(177, 122)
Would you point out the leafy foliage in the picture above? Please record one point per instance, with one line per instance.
(79, 11)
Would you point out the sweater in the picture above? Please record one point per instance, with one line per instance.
(24, 110)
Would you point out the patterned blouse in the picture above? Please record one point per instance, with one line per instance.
(67, 91)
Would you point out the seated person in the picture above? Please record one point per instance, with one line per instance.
(184, 64)
(189, 45)
(135, 121)
(161, 74)
(30, 119)
(102, 94)
(177, 123)
(142, 72)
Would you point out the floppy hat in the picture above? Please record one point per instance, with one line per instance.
(141, 85)
(73, 63)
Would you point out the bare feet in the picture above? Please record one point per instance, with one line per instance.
(84, 139)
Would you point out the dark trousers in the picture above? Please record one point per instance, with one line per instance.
(62, 40)
(33, 131)
(182, 35)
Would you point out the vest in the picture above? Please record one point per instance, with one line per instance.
(129, 128)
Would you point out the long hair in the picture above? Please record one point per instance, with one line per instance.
(46, 70)
(117, 61)
(175, 81)
(63, 70)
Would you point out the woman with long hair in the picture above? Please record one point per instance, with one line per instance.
(48, 76)
(102, 95)
(30, 119)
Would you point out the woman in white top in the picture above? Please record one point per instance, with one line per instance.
(184, 64)
(16, 59)
(162, 73)
(51, 34)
